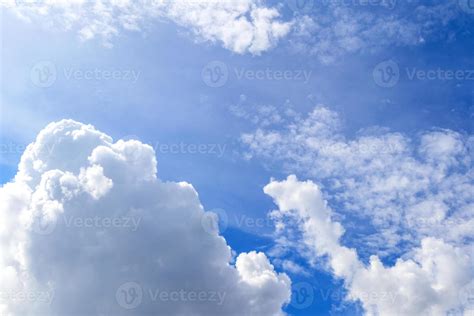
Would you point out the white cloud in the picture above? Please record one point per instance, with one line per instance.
(406, 188)
(88, 228)
(329, 31)
(336, 28)
(244, 26)
(428, 283)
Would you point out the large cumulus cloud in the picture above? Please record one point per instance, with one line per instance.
(88, 229)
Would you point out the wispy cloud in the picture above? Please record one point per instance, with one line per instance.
(333, 29)
(246, 26)
(406, 188)
(327, 29)
(431, 282)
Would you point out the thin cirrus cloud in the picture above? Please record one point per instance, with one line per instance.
(416, 194)
(327, 29)
(88, 228)
(332, 29)
(405, 188)
(435, 281)
(244, 26)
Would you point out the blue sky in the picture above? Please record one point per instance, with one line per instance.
(170, 103)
